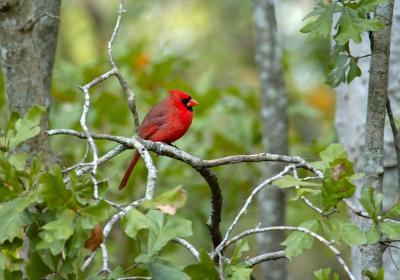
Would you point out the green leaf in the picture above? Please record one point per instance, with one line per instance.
(241, 247)
(339, 69)
(204, 269)
(10, 184)
(168, 202)
(334, 191)
(36, 268)
(391, 229)
(322, 25)
(133, 222)
(367, 6)
(288, 181)
(161, 272)
(324, 274)
(394, 212)
(163, 228)
(52, 190)
(117, 273)
(333, 152)
(354, 70)
(239, 273)
(371, 201)
(297, 242)
(352, 25)
(379, 275)
(2, 266)
(373, 235)
(343, 229)
(27, 127)
(13, 218)
(18, 160)
(56, 233)
(94, 214)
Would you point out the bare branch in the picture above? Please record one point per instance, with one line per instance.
(300, 229)
(265, 258)
(242, 211)
(128, 92)
(188, 246)
(216, 205)
(195, 162)
(396, 137)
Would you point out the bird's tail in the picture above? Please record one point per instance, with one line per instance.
(129, 171)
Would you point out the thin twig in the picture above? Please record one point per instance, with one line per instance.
(188, 246)
(246, 205)
(309, 203)
(396, 138)
(265, 258)
(300, 229)
(130, 95)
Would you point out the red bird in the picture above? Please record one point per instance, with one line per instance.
(166, 122)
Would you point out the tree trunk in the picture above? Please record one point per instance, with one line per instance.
(391, 189)
(371, 255)
(352, 105)
(275, 129)
(28, 32)
(28, 40)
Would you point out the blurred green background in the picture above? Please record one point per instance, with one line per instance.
(205, 48)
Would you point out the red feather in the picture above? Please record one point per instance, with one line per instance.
(166, 122)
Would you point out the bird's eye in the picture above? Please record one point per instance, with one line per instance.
(185, 100)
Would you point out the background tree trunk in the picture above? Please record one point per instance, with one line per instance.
(275, 129)
(28, 32)
(351, 104)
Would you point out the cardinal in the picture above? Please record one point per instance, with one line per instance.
(166, 122)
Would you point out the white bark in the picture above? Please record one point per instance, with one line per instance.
(351, 110)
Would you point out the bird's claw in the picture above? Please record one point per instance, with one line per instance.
(174, 146)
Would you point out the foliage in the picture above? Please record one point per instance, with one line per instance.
(353, 21)
(336, 186)
(58, 219)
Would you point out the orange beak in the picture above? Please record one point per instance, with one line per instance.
(192, 103)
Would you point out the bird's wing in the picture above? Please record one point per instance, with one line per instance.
(156, 118)
(148, 130)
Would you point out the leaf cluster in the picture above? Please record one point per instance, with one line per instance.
(353, 20)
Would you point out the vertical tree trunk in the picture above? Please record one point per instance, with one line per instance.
(371, 255)
(28, 40)
(352, 105)
(28, 32)
(391, 189)
(275, 128)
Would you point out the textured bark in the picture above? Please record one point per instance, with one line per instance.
(28, 32)
(28, 39)
(371, 255)
(352, 105)
(390, 189)
(275, 129)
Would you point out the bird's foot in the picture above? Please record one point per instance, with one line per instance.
(174, 146)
